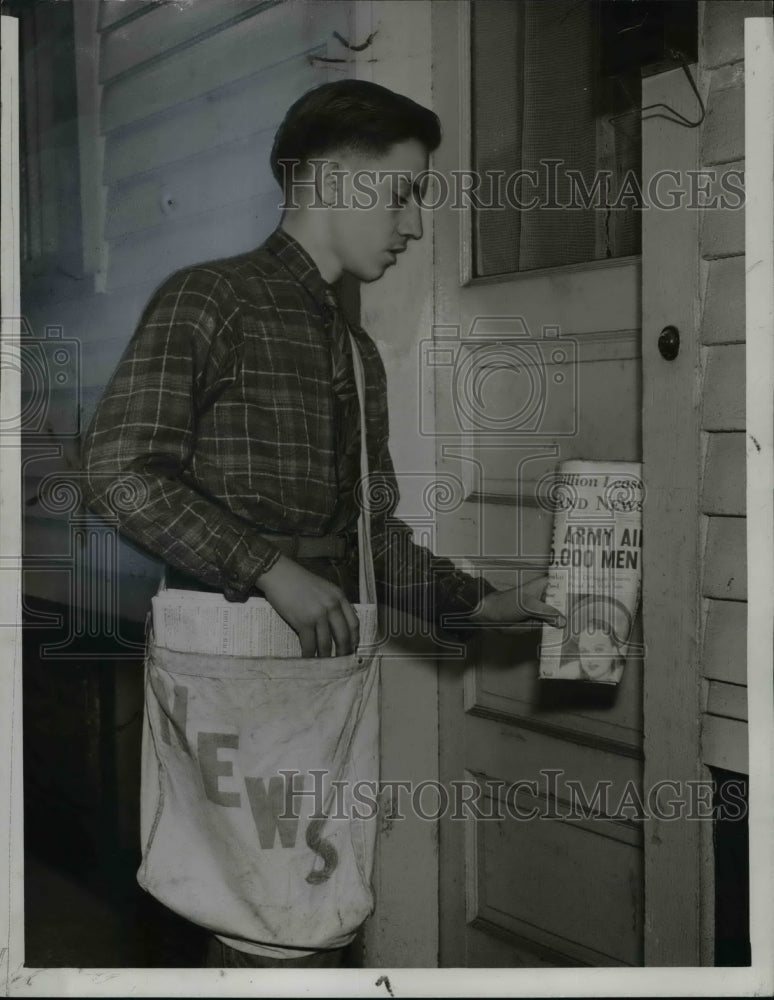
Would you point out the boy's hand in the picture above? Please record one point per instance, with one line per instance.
(315, 609)
(504, 608)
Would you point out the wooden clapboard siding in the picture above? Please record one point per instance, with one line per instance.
(88, 318)
(727, 700)
(724, 308)
(178, 190)
(90, 396)
(723, 494)
(724, 743)
(723, 228)
(722, 39)
(161, 31)
(115, 12)
(189, 129)
(723, 486)
(189, 112)
(723, 136)
(241, 49)
(64, 417)
(724, 650)
(725, 561)
(724, 396)
(220, 116)
(217, 233)
(104, 355)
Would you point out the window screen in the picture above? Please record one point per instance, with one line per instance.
(557, 145)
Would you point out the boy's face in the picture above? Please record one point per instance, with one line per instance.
(366, 240)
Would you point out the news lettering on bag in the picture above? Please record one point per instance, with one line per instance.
(271, 806)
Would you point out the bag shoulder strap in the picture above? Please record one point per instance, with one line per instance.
(367, 580)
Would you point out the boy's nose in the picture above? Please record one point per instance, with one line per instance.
(411, 221)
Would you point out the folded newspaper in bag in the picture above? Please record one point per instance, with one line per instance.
(595, 569)
(195, 621)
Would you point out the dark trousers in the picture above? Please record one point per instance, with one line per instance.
(222, 956)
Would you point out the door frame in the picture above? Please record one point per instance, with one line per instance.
(759, 423)
(11, 792)
(675, 851)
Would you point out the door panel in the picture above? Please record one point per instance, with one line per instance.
(522, 870)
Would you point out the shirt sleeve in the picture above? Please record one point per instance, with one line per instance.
(139, 443)
(410, 576)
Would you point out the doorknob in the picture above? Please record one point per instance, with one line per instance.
(669, 343)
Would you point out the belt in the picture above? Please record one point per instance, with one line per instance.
(312, 546)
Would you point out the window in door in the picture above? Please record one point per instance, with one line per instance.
(556, 126)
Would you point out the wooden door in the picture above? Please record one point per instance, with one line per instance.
(561, 888)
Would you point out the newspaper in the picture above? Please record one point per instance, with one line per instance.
(194, 621)
(595, 569)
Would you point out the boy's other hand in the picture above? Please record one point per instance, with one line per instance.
(504, 608)
(316, 610)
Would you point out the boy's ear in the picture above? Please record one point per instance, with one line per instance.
(330, 179)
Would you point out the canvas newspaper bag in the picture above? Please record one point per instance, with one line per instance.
(229, 742)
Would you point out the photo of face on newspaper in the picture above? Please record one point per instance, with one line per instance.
(597, 630)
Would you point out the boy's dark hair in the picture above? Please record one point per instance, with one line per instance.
(354, 115)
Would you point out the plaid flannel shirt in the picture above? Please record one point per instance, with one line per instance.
(218, 425)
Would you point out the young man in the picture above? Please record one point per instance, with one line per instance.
(234, 406)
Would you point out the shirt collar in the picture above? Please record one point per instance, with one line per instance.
(300, 264)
